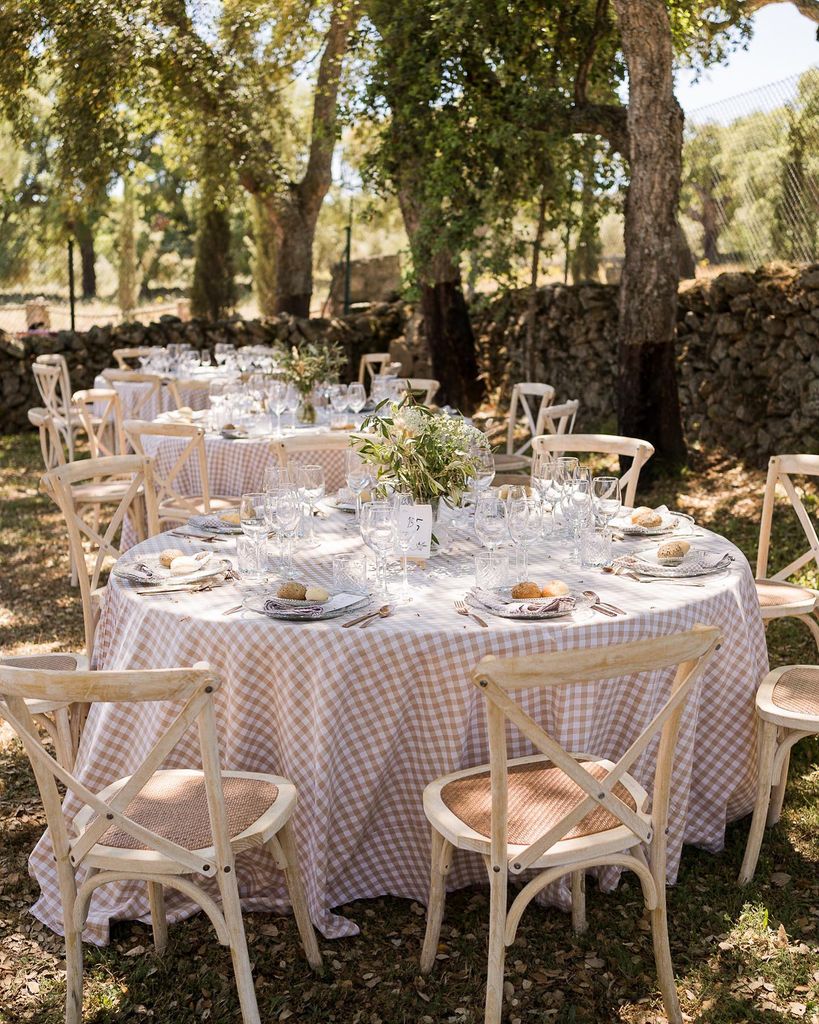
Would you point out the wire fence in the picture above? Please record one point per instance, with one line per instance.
(751, 175)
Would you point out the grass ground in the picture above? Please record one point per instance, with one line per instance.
(740, 955)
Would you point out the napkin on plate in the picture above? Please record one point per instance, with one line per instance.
(183, 565)
(547, 609)
(701, 565)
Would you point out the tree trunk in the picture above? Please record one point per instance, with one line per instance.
(294, 230)
(685, 258)
(648, 400)
(88, 272)
(531, 299)
(447, 327)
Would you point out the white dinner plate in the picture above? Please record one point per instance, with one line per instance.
(693, 563)
(277, 608)
(499, 602)
(214, 523)
(157, 574)
(670, 522)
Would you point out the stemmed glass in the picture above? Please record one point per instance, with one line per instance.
(291, 401)
(283, 513)
(310, 480)
(378, 532)
(359, 477)
(544, 484)
(356, 397)
(484, 462)
(566, 467)
(277, 401)
(523, 518)
(607, 500)
(403, 539)
(577, 504)
(253, 521)
(490, 520)
(339, 398)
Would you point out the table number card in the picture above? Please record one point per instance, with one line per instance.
(415, 522)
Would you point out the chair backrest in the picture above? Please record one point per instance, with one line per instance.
(125, 357)
(426, 384)
(601, 444)
(780, 470)
(325, 450)
(192, 687)
(531, 397)
(370, 364)
(101, 413)
(557, 419)
(64, 485)
(498, 677)
(191, 457)
(54, 384)
(51, 440)
(143, 399)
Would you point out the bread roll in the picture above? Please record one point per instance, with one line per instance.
(646, 517)
(554, 588)
(672, 552)
(317, 594)
(168, 555)
(292, 591)
(526, 590)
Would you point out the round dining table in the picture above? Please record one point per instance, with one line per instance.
(193, 392)
(362, 718)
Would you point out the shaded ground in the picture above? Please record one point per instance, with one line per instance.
(747, 955)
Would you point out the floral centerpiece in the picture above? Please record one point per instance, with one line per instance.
(428, 454)
(309, 365)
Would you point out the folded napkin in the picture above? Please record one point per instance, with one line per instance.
(698, 564)
(528, 609)
(183, 565)
(143, 571)
(305, 611)
(213, 524)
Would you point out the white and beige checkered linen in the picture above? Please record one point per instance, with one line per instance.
(362, 719)
(193, 393)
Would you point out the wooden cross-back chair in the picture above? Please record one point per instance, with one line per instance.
(602, 444)
(325, 450)
(173, 504)
(557, 812)
(54, 384)
(126, 357)
(161, 826)
(521, 401)
(787, 708)
(777, 598)
(151, 393)
(52, 444)
(71, 486)
(429, 387)
(103, 427)
(370, 364)
(557, 419)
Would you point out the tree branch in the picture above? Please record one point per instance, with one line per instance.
(582, 76)
(318, 174)
(606, 119)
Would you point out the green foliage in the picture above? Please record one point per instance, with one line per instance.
(312, 364)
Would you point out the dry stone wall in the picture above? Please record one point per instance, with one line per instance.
(748, 350)
(90, 352)
(748, 354)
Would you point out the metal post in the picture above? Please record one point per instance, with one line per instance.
(347, 251)
(71, 279)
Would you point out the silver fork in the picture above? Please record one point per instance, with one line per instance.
(462, 608)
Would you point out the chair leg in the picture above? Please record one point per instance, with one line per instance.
(778, 792)
(73, 976)
(64, 741)
(232, 909)
(767, 749)
(298, 900)
(579, 902)
(662, 958)
(441, 854)
(497, 948)
(159, 922)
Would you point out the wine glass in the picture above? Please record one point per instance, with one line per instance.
(490, 520)
(565, 468)
(484, 462)
(403, 538)
(310, 480)
(356, 397)
(277, 401)
(253, 522)
(577, 504)
(291, 401)
(607, 499)
(523, 519)
(339, 398)
(283, 513)
(359, 477)
(378, 533)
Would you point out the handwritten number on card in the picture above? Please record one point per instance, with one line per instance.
(415, 523)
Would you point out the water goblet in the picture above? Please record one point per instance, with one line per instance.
(310, 480)
(356, 397)
(523, 518)
(607, 499)
(490, 520)
(253, 522)
(378, 532)
(359, 477)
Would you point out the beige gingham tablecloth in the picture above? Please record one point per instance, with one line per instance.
(361, 719)
(194, 394)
